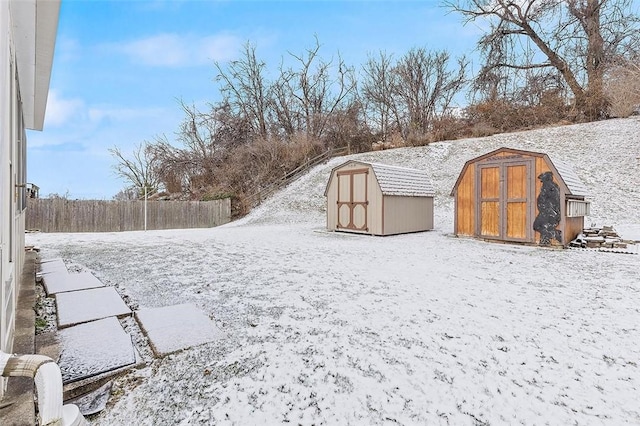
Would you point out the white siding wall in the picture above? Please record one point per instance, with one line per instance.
(12, 172)
(28, 31)
(7, 275)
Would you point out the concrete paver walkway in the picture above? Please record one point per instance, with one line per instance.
(76, 307)
(53, 265)
(60, 282)
(173, 328)
(93, 348)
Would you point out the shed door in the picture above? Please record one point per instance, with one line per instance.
(504, 208)
(489, 204)
(352, 199)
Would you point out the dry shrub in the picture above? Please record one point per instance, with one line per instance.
(482, 129)
(551, 109)
(622, 89)
(417, 138)
(361, 142)
(253, 167)
(495, 114)
(396, 139)
(448, 128)
(500, 115)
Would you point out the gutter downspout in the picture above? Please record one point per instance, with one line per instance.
(48, 381)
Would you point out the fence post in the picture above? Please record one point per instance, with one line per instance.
(145, 207)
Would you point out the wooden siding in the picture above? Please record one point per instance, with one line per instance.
(506, 187)
(518, 184)
(465, 203)
(60, 215)
(573, 227)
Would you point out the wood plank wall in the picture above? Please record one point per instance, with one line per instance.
(466, 203)
(61, 215)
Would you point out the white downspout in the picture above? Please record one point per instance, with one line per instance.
(48, 381)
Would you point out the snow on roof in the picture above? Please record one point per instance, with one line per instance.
(394, 180)
(574, 183)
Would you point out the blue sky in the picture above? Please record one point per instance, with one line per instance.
(121, 66)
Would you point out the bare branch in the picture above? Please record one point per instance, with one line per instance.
(576, 37)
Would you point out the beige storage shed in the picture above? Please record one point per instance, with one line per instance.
(378, 199)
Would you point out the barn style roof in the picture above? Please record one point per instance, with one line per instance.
(564, 171)
(570, 178)
(394, 180)
(402, 181)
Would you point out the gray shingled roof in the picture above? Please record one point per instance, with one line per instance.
(574, 184)
(394, 180)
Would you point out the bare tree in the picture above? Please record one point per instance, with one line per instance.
(138, 170)
(128, 194)
(377, 92)
(307, 97)
(246, 89)
(575, 38)
(288, 116)
(407, 96)
(426, 86)
(203, 141)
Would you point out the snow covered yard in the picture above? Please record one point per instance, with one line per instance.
(426, 328)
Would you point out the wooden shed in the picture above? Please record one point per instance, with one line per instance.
(378, 199)
(519, 196)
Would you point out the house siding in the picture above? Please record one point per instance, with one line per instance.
(26, 53)
(9, 262)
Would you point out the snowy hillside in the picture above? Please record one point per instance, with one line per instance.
(425, 328)
(605, 155)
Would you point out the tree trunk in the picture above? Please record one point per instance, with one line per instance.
(595, 100)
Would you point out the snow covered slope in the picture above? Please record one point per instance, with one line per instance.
(605, 155)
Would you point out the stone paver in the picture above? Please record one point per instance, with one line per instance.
(54, 265)
(93, 348)
(76, 307)
(173, 328)
(62, 282)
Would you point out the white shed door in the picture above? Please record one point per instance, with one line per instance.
(352, 199)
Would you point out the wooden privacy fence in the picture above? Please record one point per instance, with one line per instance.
(60, 215)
